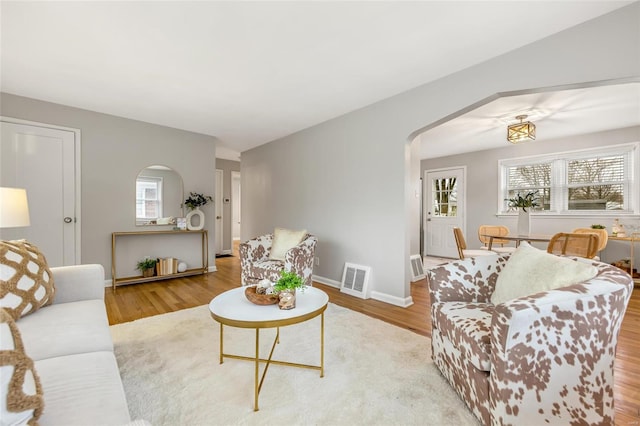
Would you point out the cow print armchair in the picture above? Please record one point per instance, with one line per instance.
(257, 261)
(541, 358)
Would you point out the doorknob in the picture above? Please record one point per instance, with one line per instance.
(218, 217)
(68, 220)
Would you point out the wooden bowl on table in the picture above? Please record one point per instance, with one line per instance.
(260, 299)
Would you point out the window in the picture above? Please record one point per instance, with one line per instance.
(148, 198)
(445, 197)
(596, 181)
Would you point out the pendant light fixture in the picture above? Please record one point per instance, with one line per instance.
(522, 131)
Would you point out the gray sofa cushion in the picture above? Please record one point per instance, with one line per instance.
(65, 329)
(78, 387)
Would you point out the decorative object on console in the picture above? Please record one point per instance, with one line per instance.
(522, 131)
(21, 389)
(194, 202)
(521, 203)
(14, 208)
(147, 266)
(182, 266)
(27, 283)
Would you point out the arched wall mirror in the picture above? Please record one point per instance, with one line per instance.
(159, 196)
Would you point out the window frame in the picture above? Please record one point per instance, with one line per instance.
(159, 183)
(559, 180)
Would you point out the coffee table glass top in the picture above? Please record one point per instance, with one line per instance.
(233, 306)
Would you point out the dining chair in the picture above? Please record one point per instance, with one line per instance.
(463, 251)
(498, 245)
(574, 244)
(603, 237)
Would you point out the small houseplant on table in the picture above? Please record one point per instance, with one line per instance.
(522, 203)
(147, 266)
(286, 289)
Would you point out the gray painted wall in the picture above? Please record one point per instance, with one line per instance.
(483, 182)
(114, 150)
(227, 166)
(346, 179)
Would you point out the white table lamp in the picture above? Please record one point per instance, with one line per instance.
(14, 209)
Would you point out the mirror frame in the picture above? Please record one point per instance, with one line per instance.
(172, 192)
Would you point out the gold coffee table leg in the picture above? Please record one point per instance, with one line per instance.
(322, 345)
(221, 343)
(256, 390)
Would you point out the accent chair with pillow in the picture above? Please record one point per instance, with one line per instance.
(266, 256)
(529, 338)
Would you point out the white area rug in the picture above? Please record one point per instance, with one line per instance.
(375, 374)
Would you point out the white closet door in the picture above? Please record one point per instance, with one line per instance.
(42, 160)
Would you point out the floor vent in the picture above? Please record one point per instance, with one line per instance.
(355, 279)
(417, 268)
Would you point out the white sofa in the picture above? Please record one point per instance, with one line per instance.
(70, 344)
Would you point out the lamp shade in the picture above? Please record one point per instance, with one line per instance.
(14, 210)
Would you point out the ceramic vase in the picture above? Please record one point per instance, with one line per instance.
(200, 214)
(524, 222)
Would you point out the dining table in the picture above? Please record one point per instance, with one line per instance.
(530, 238)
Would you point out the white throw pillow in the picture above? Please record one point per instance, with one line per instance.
(283, 241)
(530, 271)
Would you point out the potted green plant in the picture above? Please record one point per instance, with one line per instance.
(196, 200)
(147, 266)
(529, 200)
(598, 226)
(286, 289)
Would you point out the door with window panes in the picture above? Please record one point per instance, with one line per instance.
(444, 210)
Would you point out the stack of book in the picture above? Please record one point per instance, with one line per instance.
(167, 266)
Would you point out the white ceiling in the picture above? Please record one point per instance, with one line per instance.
(251, 72)
(556, 114)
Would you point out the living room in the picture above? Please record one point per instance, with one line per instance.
(348, 178)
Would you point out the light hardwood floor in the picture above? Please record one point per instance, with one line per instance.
(128, 303)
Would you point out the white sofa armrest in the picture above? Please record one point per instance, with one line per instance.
(78, 282)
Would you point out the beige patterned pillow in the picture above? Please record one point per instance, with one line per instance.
(26, 282)
(22, 400)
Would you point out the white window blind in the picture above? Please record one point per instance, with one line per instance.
(595, 181)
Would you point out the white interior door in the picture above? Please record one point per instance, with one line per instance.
(444, 210)
(219, 205)
(42, 160)
(235, 205)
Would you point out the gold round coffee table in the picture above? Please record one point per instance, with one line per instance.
(232, 308)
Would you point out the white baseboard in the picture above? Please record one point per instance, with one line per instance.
(392, 300)
(213, 268)
(326, 281)
(383, 297)
(108, 283)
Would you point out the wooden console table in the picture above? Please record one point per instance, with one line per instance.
(131, 280)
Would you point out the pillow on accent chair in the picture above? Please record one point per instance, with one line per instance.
(530, 271)
(22, 401)
(283, 241)
(26, 282)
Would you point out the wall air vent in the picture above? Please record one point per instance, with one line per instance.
(417, 268)
(355, 280)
